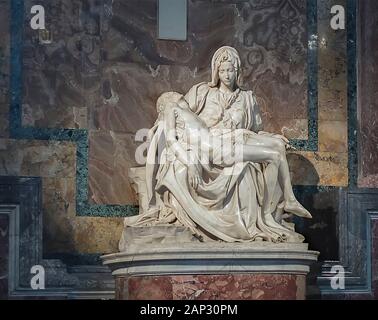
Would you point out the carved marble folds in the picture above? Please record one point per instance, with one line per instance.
(212, 170)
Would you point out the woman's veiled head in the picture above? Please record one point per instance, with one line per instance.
(223, 55)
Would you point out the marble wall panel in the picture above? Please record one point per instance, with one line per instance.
(290, 128)
(318, 168)
(55, 162)
(107, 230)
(4, 253)
(130, 91)
(112, 154)
(61, 79)
(332, 61)
(333, 136)
(37, 158)
(64, 232)
(368, 94)
(271, 37)
(321, 232)
(58, 203)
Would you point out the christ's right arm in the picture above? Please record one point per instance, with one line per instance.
(185, 157)
(170, 116)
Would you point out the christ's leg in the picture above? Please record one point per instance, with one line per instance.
(276, 145)
(275, 155)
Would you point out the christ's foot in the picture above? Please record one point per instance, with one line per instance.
(296, 208)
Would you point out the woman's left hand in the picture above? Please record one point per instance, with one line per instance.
(283, 138)
(279, 136)
(275, 135)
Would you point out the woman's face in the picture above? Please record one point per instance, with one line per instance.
(227, 74)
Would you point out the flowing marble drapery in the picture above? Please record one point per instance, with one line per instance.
(230, 206)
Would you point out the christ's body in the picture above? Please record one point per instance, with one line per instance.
(185, 131)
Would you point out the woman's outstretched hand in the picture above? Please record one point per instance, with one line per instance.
(283, 138)
(278, 136)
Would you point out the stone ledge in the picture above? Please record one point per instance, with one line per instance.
(212, 258)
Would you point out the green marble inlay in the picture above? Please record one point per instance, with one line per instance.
(352, 91)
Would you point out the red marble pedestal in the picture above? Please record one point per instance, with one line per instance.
(212, 287)
(216, 271)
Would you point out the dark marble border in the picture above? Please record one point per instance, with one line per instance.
(80, 136)
(25, 194)
(352, 90)
(357, 208)
(21, 200)
(312, 77)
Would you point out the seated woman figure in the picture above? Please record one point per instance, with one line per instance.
(223, 177)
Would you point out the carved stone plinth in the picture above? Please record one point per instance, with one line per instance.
(245, 271)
